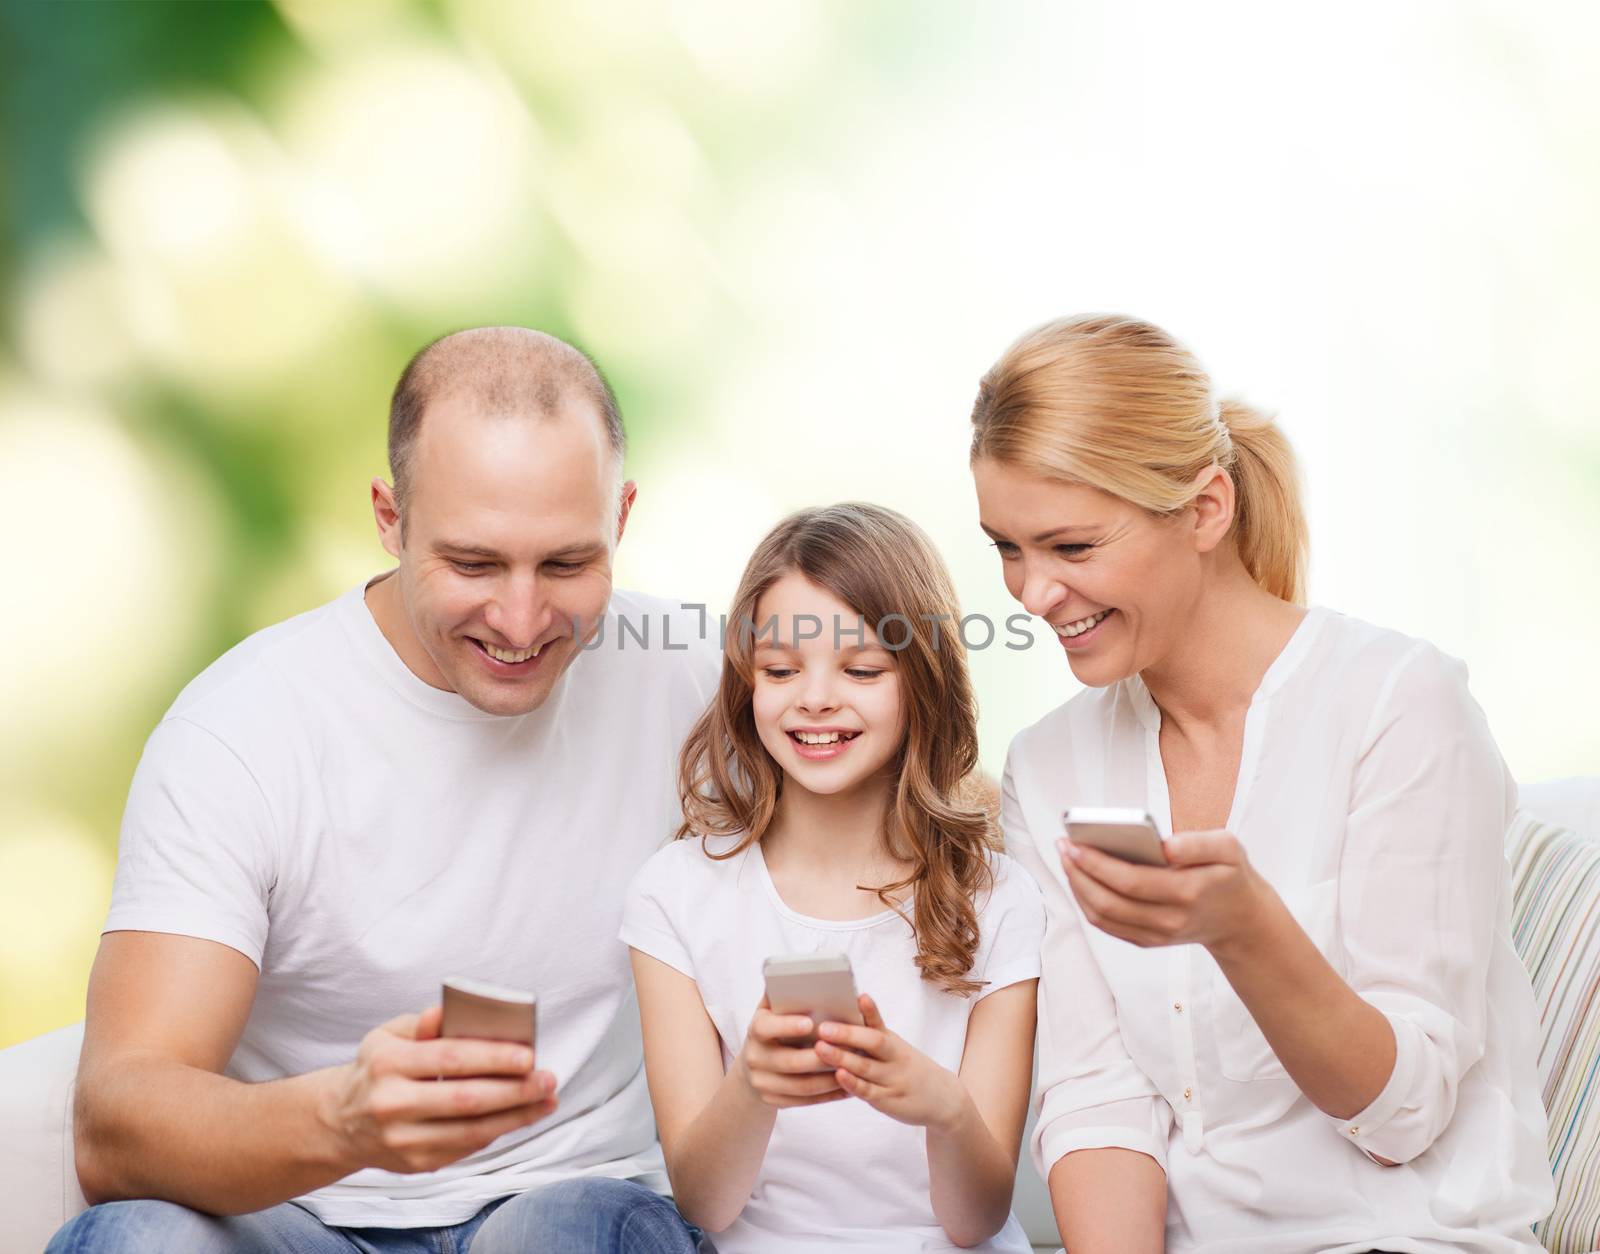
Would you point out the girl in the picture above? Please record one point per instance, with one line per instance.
(827, 808)
(1308, 1031)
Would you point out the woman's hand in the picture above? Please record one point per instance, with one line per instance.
(781, 1074)
(1207, 894)
(877, 1066)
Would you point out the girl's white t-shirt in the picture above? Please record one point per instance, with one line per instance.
(840, 1174)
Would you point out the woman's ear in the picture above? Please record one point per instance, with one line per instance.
(1214, 505)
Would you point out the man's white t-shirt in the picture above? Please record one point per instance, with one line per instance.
(840, 1175)
(359, 836)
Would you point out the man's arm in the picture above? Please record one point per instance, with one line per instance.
(155, 1118)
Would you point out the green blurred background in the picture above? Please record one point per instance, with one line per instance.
(794, 235)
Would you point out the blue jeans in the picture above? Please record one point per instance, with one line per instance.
(587, 1215)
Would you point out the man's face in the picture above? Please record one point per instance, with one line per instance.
(508, 542)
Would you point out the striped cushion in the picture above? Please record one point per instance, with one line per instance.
(1555, 876)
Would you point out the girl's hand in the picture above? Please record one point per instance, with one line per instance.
(784, 1075)
(1207, 894)
(877, 1066)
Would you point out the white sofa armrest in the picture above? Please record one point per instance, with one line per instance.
(1570, 803)
(39, 1179)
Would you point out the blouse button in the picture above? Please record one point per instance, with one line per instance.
(1178, 1006)
(1356, 1130)
(1187, 1094)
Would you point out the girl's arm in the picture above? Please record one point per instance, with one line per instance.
(714, 1127)
(973, 1120)
(972, 1168)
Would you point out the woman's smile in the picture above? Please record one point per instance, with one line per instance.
(1081, 633)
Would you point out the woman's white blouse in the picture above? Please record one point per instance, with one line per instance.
(1372, 797)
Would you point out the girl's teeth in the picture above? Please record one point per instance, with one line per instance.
(817, 738)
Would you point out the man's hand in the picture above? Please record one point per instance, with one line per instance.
(889, 1074)
(413, 1101)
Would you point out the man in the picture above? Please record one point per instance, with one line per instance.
(431, 776)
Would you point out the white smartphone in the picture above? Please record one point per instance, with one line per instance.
(488, 1012)
(820, 986)
(1123, 832)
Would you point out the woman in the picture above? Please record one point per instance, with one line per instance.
(1309, 1030)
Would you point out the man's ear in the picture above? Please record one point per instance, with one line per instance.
(1214, 506)
(387, 513)
(630, 490)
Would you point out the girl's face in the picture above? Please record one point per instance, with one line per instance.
(826, 695)
(1116, 583)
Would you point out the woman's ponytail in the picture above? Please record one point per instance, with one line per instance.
(1270, 523)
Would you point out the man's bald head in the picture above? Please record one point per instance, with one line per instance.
(496, 371)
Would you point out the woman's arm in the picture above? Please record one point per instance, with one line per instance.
(1101, 1135)
(1109, 1201)
(1424, 897)
(714, 1127)
(1338, 1048)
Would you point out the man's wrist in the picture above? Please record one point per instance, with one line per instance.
(329, 1144)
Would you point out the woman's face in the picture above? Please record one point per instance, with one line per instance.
(1116, 583)
(826, 699)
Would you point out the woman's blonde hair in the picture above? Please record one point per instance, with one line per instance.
(1118, 404)
(885, 569)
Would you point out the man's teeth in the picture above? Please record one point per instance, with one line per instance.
(509, 655)
(821, 738)
(1082, 625)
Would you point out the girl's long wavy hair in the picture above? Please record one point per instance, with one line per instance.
(885, 569)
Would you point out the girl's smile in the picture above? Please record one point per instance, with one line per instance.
(821, 744)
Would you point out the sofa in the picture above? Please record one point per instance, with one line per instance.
(1554, 851)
